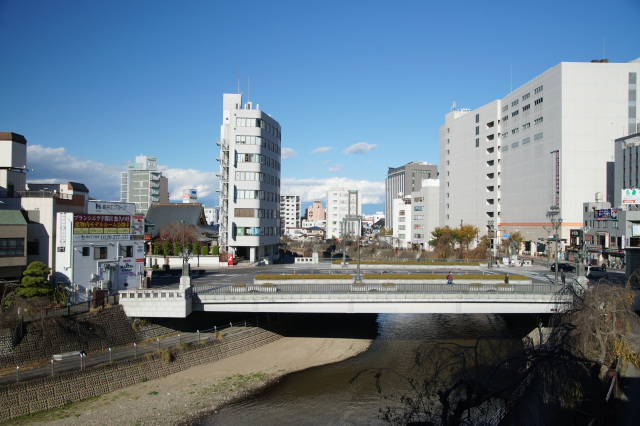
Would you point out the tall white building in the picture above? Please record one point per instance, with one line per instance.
(249, 180)
(545, 144)
(402, 181)
(416, 216)
(290, 211)
(143, 184)
(341, 203)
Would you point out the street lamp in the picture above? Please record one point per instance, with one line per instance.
(491, 235)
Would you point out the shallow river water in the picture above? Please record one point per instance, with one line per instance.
(325, 395)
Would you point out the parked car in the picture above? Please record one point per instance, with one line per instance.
(566, 267)
(596, 272)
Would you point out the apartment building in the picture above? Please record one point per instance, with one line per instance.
(342, 203)
(143, 184)
(544, 145)
(402, 181)
(249, 180)
(290, 211)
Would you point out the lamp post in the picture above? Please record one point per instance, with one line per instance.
(556, 222)
(582, 252)
(491, 235)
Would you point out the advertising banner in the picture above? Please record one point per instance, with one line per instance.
(630, 196)
(109, 207)
(605, 214)
(101, 224)
(137, 225)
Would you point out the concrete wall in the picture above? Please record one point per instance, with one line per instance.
(56, 391)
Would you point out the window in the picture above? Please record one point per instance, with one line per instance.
(514, 113)
(526, 96)
(419, 208)
(477, 142)
(477, 130)
(505, 118)
(514, 103)
(537, 101)
(504, 108)
(526, 125)
(126, 251)
(515, 144)
(477, 118)
(538, 136)
(401, 236)
(401, 227)
(538, 89)
(526, 107)
(514, 131)
(537, 120)
(33, 248)
(11, 247)
(99, 252)
(526, 140)
(86, 251)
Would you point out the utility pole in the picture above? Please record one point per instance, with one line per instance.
(491, 236)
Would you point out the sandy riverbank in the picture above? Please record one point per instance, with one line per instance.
(184, 397)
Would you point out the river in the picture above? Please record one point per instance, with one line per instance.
(327, 395)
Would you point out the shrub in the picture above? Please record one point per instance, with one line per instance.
(215, 250)
(204, 250)
(166, 249)
(196, 248)
(156, 248)
(155, 267)
(176, 248)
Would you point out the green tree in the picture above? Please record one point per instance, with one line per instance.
(166, 250)
(196, 247)
(215, 250)
(443, 241)
(465, 235)
(34, 282)
(204, 251)
(176, 248)
(156, 248)
(514, 241)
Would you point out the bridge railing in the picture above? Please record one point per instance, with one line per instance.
(348, 288)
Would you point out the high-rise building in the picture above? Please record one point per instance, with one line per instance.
(290, 211)
(402, 181)
(543, 147)
(143, 184)
(342, 203)
(316, 211)
(249, 180)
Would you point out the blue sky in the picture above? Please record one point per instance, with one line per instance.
(356, 86)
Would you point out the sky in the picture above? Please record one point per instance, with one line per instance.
(357, 86)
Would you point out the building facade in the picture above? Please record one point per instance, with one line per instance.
(544, 146)
(99, 252)
(249, 180)
(290, 211)
(315, 211)
(342, 203)
(143, 184)
(402, 181)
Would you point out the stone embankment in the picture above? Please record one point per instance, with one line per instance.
(58, 390)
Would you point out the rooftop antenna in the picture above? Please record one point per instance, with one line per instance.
(248, 89)
(453, 108)
(238, 79)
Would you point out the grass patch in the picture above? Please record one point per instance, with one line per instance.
(413, 262)
(152, 393)
(304, 277)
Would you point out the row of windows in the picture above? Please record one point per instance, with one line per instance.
(417, 208)
(258, 176)
(524, 141)
(255, 231)
(256, 122)
(514, 113)
(537, 120)
(418, 217)
(243, 194)
(11, 247)
(538, 90)
(260, 213)
(514, 103)
(537, 101)
(101, 252)
(257, 158)
(526, 107)
(257, 140)
(526, 96)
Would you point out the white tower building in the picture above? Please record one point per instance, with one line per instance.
(341, 203)
(249, 180)
(143, 184)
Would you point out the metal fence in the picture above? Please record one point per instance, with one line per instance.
(79, 360)
(78, 308)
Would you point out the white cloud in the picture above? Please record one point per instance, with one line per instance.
(56, 165)
(326, 162)
(321, 150)
(335, 168)
(288, 153)
(360, 148)
(316, 189)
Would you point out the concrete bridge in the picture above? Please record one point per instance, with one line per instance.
(347, 298)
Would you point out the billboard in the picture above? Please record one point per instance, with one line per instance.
(111, 207)
(605, 214)
(101, 224)
(630, 196)
(189, 196)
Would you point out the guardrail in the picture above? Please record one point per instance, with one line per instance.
(349, 288)
(79, 360)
